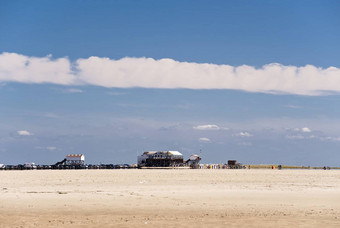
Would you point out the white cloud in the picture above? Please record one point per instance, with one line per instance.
(295, 137)
(293, 106)
(335, 139)
(24, 133)
(72, 90)
(204, 139)
(51, 148)
(19, 68)
(304, 130)
(303, 137)
(244, 134)
(167, 73)
(207, 127)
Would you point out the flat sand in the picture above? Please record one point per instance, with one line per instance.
(170, 198)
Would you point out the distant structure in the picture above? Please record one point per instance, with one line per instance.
(160, 159)
(75, 159)
(232, 162)
(30, 165)
(194, 161)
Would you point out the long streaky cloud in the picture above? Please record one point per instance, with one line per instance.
(169, 74)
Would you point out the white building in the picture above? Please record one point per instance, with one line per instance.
(30, 165)
(75, 159)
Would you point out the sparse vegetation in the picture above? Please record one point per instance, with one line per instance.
(269, 166)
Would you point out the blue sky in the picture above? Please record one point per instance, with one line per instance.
(256, 81)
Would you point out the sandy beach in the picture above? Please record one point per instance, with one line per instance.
(170, 198)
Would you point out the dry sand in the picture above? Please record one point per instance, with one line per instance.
(170, 198)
